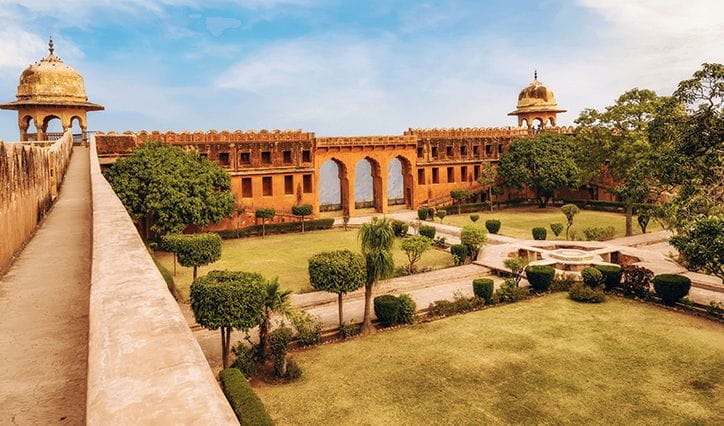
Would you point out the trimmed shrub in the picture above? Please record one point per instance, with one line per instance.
(244, 359)
(278, 344)
(492, 225)
(459, 253)
(348, 330)
(583, 293)
(277, 228)
(592, 277)
(194, 250)
(309, 328)
(423, 213)
(635, 281)
(293, 371)
(474, 217)
(459, 304)
(408, 309)
(302, 210)
(540, 277)
(539, 233)
(611, 275)
(483, 288)
(338, 271)
(564, 282)
(509, 292)
(414, 247)
(427, 231)
(387, 310)
(597, 233)
(468, 208)
(400, 228)
(569, 210)
(557, 228)
(441, 214)
(474, 237)
(671, 288)
(246, 404)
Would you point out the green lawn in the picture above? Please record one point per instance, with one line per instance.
(546, 360)
(286, 256)
(518, 222)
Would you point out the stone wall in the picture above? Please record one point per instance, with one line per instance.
(30, 177)
(144, 364)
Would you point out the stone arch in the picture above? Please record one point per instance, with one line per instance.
(369, 191)
(400, 185)
(78, 129)
(333, 197)
(537, 123)
(523, 122)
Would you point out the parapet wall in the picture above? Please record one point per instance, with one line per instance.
(144, 364)
(30, 177)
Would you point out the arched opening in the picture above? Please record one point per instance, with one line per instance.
(537, 123)
(333, 184)
(399, 183)
(52, 128)
(368, 185)
(78, 128)
(524, 122)
(28, 129)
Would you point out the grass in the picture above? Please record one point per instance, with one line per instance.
(518, 222)
(546, 360)
(286, 256)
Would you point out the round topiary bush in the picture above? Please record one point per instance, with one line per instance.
(460, 253)
(399, 228)
(492, 225)
(611, 275)
(474, 217)
(483, 288)
(423, 213)
(387, 309)
(427, 231)
(583, 293)
(671, 288)
(540, 277)
(592, 277)
(539, 233)
(408, 309)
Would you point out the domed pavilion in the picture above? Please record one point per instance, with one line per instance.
(50, 89)
(536, 102)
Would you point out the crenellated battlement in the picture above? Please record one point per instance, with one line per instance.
(366, 140)
(482, 132)
(213, 136)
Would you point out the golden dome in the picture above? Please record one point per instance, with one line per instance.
(536, 97)
(51, 82)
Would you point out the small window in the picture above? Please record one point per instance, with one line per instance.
(288, 184)
(287, 157)
(307, 184)
(420, 176)
(500, 148)
(449, 151)
(307, 156)
(463, 150)
(224, 159)
(463, 173)
(245, 158)
(451, 174)
(246, 187)
(488, 149)
(266, 186)
(420, 152)
(266, 157)
(476, 150)
(476, 172)
(434, 152)
(435, 175)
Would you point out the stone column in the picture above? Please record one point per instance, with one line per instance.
(346, 180)
(380, 182)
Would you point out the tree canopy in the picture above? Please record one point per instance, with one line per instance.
(338, 271)
(543, 164)
(167, 188)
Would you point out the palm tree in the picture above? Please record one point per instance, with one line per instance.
(376, 238)
(276, 301)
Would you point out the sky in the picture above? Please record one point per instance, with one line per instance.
(353, 67)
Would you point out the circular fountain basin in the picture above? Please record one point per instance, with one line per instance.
(571, 255)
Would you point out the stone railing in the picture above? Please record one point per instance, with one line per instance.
(144, 365)
(30, 177)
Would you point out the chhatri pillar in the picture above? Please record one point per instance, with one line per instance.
(536, 102)
(50, 89)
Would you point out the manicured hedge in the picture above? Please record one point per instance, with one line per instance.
(460, 253)
(400, 228)
(540, 277)
(604, 205)
(582, 293)
(611, 275)
(246, 404)
(671, 288)
(483, 288)
(428, 231)
(387, 309)
(592, 277)
(467, 208)
(277, 228)
(539, 233)
(492, 225)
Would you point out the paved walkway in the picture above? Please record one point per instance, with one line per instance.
(44, 305)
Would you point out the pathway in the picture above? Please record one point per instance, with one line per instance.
(44, 305)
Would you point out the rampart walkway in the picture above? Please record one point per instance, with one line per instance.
(44, 305)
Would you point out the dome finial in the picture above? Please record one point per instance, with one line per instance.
(51, 49)
(535, 74)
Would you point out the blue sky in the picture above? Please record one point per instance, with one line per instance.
(352, 67)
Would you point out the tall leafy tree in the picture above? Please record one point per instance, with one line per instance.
(165, 188)
(543, 164)
(338, 271)
(616, 141)
(488, 176)
(376, 238)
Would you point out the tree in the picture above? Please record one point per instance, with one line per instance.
(517, 266)
(276, 301)
(440, 213)
(339, 271)
(488, 176)
(569, 210)
(543, 164)
(194, 250)
(556, 227)
(616, 142)
(474, 237)
(264, 214)
(643, 216)
(687, 135)
(376, 238)
(169, 243)
(414, 246)
(227, 300)
(459, 195)
(165, 189)
(302, 210)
